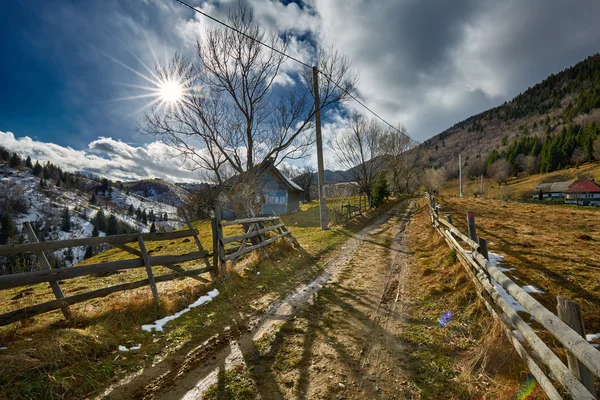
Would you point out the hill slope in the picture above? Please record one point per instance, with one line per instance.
(563, 101)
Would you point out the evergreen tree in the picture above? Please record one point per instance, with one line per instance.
(89, 252)
(130, 211)
(151, 217)
(93, 200)
(7, 228)
(66, 221)
(144, 217)
(138, 214)
(15, 161)
(381, 191)
(100, 221)
(112, 225)
(153, 228)
(28, 163)
(165, 217)
(37, 169)
(95, 231)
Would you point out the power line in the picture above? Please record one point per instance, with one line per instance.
(298, 61)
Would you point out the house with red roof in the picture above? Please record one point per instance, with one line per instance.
(583, 192)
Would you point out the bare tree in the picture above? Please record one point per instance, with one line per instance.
(527, 164)
(231, 118)
(433, 179)
(476, 167)
(304, 179)
(579, 156)
(499, 170)
(358, 149)
(398, 164)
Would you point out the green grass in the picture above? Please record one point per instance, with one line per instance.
(50, 358)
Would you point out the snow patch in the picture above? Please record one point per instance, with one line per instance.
(133, 348)
(532, 289)
(159, 324)
(3, 348)
(592, 336)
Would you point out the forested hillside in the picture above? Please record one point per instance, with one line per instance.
(550, 126)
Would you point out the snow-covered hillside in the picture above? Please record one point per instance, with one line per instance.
(45, 208)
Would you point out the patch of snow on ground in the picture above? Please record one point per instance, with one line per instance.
(592, 336)
(3, 348)
(495, 260)
(133, 348)
(159, 324)
(532, 289)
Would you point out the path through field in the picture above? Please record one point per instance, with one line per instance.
(336, 338)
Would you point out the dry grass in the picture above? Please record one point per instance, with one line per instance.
(50, 358)
(470, 358)
(554, 248)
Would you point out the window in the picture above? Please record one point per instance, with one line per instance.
(276, 198)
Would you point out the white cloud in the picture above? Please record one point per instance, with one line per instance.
(107, 157)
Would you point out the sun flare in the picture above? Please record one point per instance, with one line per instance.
(171, 91)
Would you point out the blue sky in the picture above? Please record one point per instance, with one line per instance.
(426, 64)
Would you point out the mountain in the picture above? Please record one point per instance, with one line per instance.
(549, 122)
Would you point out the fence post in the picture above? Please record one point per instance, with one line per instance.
(213, 276)
(471, 224)
(219, 239)
(570, 313)
(449, 217)
(483, 249)
(146, 260)
(46, 265)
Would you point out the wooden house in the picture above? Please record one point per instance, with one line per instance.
(583, 192)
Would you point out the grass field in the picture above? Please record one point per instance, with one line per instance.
(554, 248)
(47, 357)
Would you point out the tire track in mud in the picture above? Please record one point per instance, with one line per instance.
(192, 375)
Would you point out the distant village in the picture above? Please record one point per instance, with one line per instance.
(582, 192)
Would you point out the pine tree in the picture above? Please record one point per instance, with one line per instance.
(93, 200)
(100, 221)
(37, 168)
(28, 163)
(15, 161)
(66, 221)
(95, 231)
(144, 217)
(153, 228)
(130, 211)
(381, 190)
(165, 218)
(112, 225)
(138, 214)
(7, 228)
(151, 217)
(89, 252)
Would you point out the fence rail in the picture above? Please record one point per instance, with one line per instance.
(576, 378)
(256, 231)
(142, 260)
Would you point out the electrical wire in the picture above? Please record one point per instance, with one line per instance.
(299, 62)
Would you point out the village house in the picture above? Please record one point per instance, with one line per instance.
(551, 190)
(278, 194)
(584, 193)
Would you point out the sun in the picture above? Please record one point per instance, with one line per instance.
(171, 91)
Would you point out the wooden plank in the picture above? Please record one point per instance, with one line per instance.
(28, 312)
(248, 221)
(570, 313)
(231, 239)
(535, 370)
(46, 266)
(148, 266)
(584, 351)
(113, 240)
(30, 278)
(256, 246)
(219, 234)
(177, 268)
(198, 242)
(483, 248)
(474, 245)
(128, 249)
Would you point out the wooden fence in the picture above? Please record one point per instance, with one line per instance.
(256, 231)
(576, 378)
(343, 209)
(142, 260)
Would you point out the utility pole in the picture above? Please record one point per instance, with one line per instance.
(321, 172)
(481, 187)
(460, 173)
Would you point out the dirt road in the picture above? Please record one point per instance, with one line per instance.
(334, 338)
